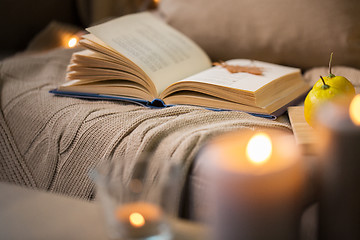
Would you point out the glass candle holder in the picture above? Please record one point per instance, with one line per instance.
(129, 214)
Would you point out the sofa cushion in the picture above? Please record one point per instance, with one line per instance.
(299, 33)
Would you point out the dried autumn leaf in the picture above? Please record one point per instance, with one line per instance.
(236, 68)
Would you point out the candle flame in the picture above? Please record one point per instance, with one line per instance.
(72, 42)
(259, 148)
(354, 110)
(136, 219)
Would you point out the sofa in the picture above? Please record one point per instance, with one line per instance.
(51, 143)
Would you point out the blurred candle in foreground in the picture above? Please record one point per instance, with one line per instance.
(354, 110)
(256, 184)
(129, 213)
(140, 220)
(339, 152)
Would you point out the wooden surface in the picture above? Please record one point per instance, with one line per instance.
(303, 132)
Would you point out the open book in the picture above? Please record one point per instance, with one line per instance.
(140, 58)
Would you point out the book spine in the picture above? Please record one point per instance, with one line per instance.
(156, 103)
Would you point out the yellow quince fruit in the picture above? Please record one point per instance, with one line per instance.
(326, 89)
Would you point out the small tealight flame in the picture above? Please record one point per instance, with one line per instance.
(354, 110)
(259, 148)
(136, 219)
(72, 42)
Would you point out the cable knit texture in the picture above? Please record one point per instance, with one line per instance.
(52, 143)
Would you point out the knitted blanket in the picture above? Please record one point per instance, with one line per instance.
(51, 143)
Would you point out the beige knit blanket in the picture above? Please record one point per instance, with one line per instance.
(52, 143)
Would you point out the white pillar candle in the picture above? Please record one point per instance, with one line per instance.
(339, 147)
(256, 184)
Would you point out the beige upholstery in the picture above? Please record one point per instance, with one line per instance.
(299, 33)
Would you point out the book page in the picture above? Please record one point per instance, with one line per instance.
(244, 81)
(162, 52)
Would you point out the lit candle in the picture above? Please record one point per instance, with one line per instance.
(127, 214)
(72, 42)
(354, 110)
(339, 147)
(256, 185)
(140, 220)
